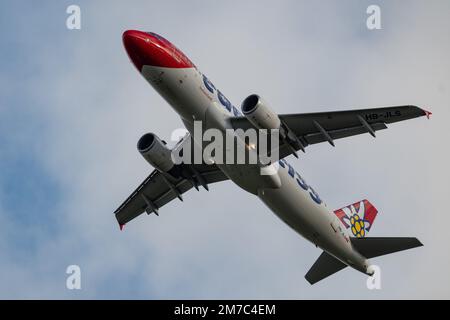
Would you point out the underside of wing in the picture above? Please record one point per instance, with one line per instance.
(159, 189)
(312, 128)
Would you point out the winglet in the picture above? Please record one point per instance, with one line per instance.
(427, 113)
(121, 226)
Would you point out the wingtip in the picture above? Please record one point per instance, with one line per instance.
(419, 243)
(309, 280)
(427, 113)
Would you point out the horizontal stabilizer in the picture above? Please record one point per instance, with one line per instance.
(375, 247)
(325, 266)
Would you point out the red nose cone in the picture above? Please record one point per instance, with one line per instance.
(146, 48)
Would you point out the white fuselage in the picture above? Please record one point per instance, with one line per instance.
(194, 97)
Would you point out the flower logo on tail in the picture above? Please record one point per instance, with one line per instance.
(359, 217)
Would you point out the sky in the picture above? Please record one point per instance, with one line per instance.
(72, 108)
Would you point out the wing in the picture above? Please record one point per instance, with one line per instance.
(159, 189)
(312, 128)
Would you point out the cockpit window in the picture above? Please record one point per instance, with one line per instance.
(157, 36)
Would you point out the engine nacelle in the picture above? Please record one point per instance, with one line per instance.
(257, 111)
(155, 152)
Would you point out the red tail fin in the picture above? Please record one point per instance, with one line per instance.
(359, 217)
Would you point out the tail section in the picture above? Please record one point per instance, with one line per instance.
(375, 247)
(326, 264)
(358, 217)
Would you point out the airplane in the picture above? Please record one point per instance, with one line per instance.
(341, 234)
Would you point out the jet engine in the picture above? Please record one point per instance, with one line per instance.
(257, 111)
(155, 152)
(259, 114)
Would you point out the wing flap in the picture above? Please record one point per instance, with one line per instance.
(318, 137)
(158, 190)
(334, 120)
